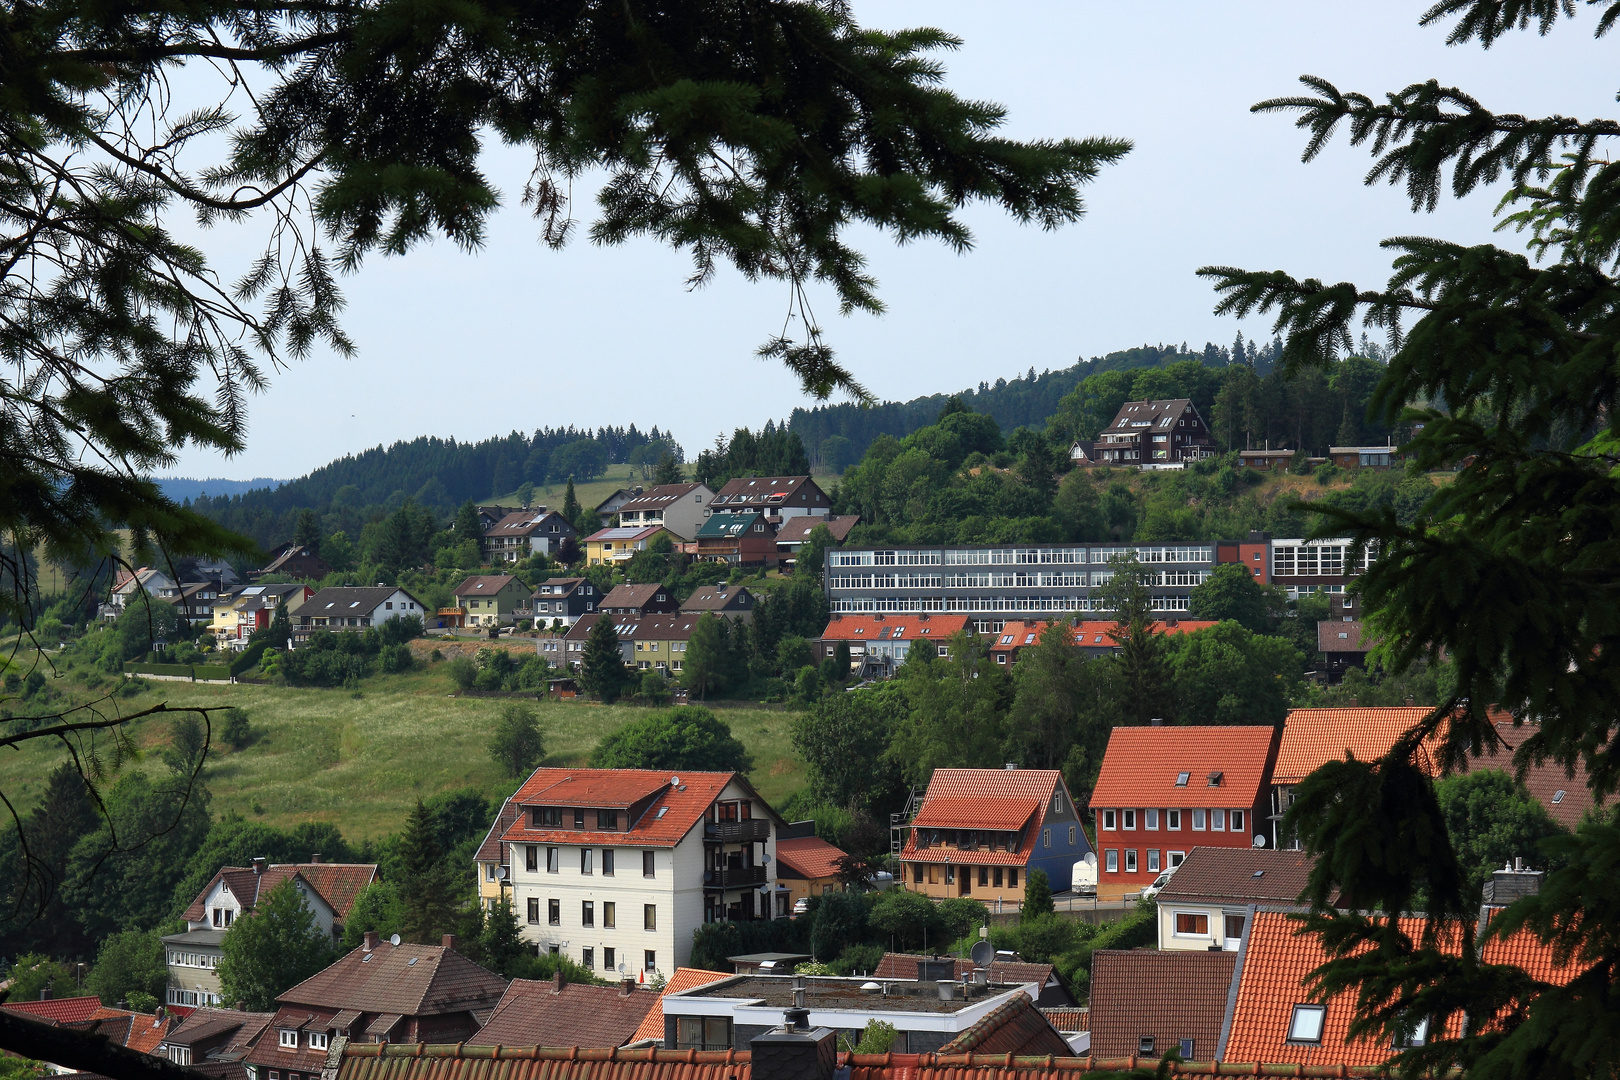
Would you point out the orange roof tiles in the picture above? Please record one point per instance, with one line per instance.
(1091, 633)
(808, 857)
(337, 883)
(899, 627)
(672, 813)
(998, 814)
(58, 1010)
(997, 790)
(1142, 765)
(1313, 737)
(652, 1027)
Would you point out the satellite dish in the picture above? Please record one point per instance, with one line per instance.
(982, 953)
(1089, 858)
(500, 873)
(675, 781)
(393, 939)
(1259, 840)
(621, 967)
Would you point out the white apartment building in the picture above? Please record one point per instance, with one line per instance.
(616, 868)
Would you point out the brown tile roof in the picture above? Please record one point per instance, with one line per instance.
(484, 584)
(796, 530)
(904, 966)
(659, 628)
(57, 1010)
(658, 497)
(1313, 737)
(492, 850)
(1227, 875)
(1013, 1027)
(807, 857)
(521, 523)
(411, 980)
(1171, 995)
(1141, 765)
(664, 823)
(1069, 1021)
(1340, 637)
(717, 598)
(1140, 416)
(632, 596)
(997, 789)
(766, 490)
(652, 1025)
(266, 1048)
(541, 1014)
(205, 1023)
(336, 883)
(1566, 798)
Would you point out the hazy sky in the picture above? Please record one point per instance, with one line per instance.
(517, 336)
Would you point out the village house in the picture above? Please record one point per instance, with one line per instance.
(1363, 457)
(493, 859)
(616, 868)
(329, 891)
(239, 616)
(378, 992)
(519, 535)
(131, 585)
(1267, 460)
(636, 601)
(609, 508)
(806, 865)
(654, 641)
(294, 560)
(739, 538)
(1205, 903)
(795, 533)
(677, 507)
(779, 498)
(142, 1032)
(486, 600)
(1164, 789)
(555, 1013)
(880, 643)
(1094, 637)
(563, 600)
(1147, 1004)
(981, 832)
(213, 1042)
(733, 602)
(349, 608)
(1340, 640)
(1155, 434)
(610, 547)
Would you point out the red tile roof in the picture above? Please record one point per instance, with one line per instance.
(672, 813)
(652, 1025)
(1340, 637)
(411, 980)
(796, 530)
(1001, 792)
(808, 857)
(1170, 995)
(900, 627)
(336, 883)
(1013, 1027)
(534, 1013)
(997, 814)
(1091, 634)
(1224, 875)
(1313, 737)
(1566, 798)
(339, 883)
(57, 1010)
(1142, 764)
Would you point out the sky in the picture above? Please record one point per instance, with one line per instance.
(516, 336)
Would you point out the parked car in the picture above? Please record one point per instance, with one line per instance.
(801, 905)
(1150, 891)
(1085, 875)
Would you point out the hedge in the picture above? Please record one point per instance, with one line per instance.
(211, 672)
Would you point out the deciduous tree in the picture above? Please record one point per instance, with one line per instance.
(272, 948)
(517, 745)
(686, 737)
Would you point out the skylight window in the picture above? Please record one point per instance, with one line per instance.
(1305, 1026)
(1182, 778)
(1558, 796)
(1258, 874)
(662, 810)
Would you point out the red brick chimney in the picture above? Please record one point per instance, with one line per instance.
(449, 941)
(373, 939)
(627, 986)
(315, 858)
(556, 982)
(258, 864)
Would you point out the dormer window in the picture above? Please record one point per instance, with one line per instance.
(288, 1038)
(1215, 778)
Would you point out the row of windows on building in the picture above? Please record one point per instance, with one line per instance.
(587, 913)
(1111, 860)
(907, 604)
(990, 877)
(287, 1039)
(1201, 820)
(1014, 555)
(191, 959)
(610, 958)
(587, 860)
(1067, 579)
(177, 996)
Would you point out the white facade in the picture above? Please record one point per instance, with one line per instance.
(561, 874)
(1196, 926)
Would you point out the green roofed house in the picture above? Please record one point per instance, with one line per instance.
(744, 538)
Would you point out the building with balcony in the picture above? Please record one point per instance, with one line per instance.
(779, 498)
(677, 507)
(616, 868)
(611, 547)
(519, 535)
(563, 600)
(1154, 434)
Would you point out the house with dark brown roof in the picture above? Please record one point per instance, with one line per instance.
(353, 609)
(215, 1041)
(733, 602)
(1155, 434)
(517, 536)
(778, 498)
(636, 601)
(379, 992)
(1566, 798)
(1149, 1003)
(677, 507)
(562, 600)
(556, 1013)
(795, 532)
(294, 560)
(1204, 904)
(329, 891)
(489, 600)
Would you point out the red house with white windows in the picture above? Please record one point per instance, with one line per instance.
(1164, 790)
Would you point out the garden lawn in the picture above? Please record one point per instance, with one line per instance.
(360, 762)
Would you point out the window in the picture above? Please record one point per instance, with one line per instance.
(1172, 819)
(607, 862)
(1237, 821)
(1073, 832)
(1417, 1035)
(1558, 796)
(1108, 820)
(1012, 877)
(534, 911)
(703, 1033)
(1130, 860)
(1046, 838)
(1198, 821)
(1152, 819)
(608, 959)
(531, 857)
(1182, 778)
(1217, 821)
(1057, 802)
(1215, 778)
(289, 1038)
(1192, 924)
(646, 864)
(1305, 1026)
(1111, 860)
(1187, 1049)
(1153, 859)
(649, 916)
(649, 960)
(587, 957)
(944, 650)
(546, 815)
(1144, 1046)
(607, 820)
(552, 862)
(587, 913)
(317, 1040)
(916, 873)
(1130, 819)
(554, 912)
(1176, 858)
(1234, 926)
(489, 871)
(585, 861)
(579, 817)
(610, 914)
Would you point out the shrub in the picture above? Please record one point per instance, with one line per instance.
(858, 959)
(396, 659)
(237, 732)
(462, 672)
(877, 1038)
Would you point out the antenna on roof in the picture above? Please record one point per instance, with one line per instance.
(393, 939)
(1259, 840)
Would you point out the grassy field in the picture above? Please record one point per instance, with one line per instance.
(361, 761)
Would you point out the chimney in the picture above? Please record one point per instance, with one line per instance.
(1157, 721)
(258, 864)
(556, 982)
(45, 994)
(794, 1052)
(1410, 701)
(315, 857)
(241, 1006)
(1355, 703)
(627, 987)
(373, 939)
(448, 941)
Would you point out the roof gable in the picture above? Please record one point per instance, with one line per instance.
(410, 980)
(1221, 766)
(652, 1026)
(1313, 737)
(1170, 995)
(534, 1013)
(487, 584)
(808, 857)
(1239, 875)
(668, 811)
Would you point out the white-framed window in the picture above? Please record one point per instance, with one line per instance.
(1130, 860)
(1172, 819)
(1237, 821)
(1130, 819)
(1046, 838)
(1057, 802)
(1111, 861)
(1416, 1035)
(553, 861)
(607, 862)
(1198, 820)
(1073, 832)
(1191, 924)
(1108, 820)
(1153, 859)
(288, 1037)
(1217, 821)
(1151, 819)
(649, 916)
(1175, 858)
(1305, 1025)
(586, 861)
(317, 1040)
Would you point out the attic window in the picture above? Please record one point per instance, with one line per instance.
(366, 959)
(412, 961)
(1258, 874)
(1215, 778)
(1182, 778)
(662, 810)
(1305, 1026)
(1558, 796)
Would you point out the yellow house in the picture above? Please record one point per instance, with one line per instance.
(807, 866)
(611, 547)
(656, 641)
(239, 614)
(493, 857)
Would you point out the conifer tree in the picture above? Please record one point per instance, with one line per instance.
(601, 668)
(668, 470)
(467, 522)
(1037, 897)
(424, 887)
(707, 662)
(307, 533)
(1140, 658)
